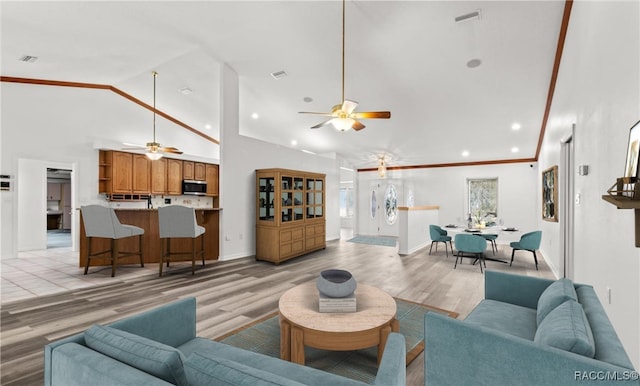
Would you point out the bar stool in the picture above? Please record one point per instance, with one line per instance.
(102, 222)
(177, 221)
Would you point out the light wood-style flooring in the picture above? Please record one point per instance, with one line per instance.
(232, 293)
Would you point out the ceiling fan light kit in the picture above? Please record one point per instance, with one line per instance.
(343, 115)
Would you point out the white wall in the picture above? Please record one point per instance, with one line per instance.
(240, 157)
(447, 187)
(45, 125)
(598, 89)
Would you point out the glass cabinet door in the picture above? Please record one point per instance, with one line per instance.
(265, 199)
(315, 199)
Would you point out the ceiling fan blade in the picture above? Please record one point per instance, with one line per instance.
(348, 106)
(372, 114)
(321, 124)
(357, 126)
(170, 150)
(323, 114)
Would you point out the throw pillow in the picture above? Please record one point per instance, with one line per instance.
(555, 294)
(218, 371)
(567, 328)
(152, 357)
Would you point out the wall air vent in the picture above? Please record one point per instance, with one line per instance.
(278, 74)
(475, 15)
(28, 58)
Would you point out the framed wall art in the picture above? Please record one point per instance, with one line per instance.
(550, 194)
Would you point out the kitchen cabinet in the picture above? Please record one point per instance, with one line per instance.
(141, 174)
(199, 171)
(53, 191)
(174, 176)
(132, 176)
(187, 170)
(121, 172)
(211, 176)
(159, 176)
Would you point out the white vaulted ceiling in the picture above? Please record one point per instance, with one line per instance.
(409, 57)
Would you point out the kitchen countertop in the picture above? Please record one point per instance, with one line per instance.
(155, 209)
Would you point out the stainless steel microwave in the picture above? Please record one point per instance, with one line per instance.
(197, 188)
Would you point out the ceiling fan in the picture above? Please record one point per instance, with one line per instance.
(154, 149)
(342, 115)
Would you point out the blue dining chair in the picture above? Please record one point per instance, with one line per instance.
(439, 235)
(528, 242)
(473, 245)
(491, 238)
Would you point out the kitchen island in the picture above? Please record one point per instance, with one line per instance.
(147, 219)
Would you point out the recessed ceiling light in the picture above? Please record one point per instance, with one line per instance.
(465, 153)
(207, 126)
(307, 99)
(294, 142)
(473, 63)
(28, 58)
(514, 149)
(186, 90)
(516, 126)
(255, 116)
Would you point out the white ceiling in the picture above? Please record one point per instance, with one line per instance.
(408, 57)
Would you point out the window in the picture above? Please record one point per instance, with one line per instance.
(483, 199)
(346, 202)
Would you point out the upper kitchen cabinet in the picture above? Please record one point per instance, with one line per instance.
(53, 191)
(159, 176)
(196, 171)
(211, 173)
(174, 176)
(115, 172)
(187, 170)
(141, 174)
(124, 176)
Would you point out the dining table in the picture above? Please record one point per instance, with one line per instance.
(505, 235)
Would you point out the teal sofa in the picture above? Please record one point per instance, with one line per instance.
(160, 347)
(527, 331)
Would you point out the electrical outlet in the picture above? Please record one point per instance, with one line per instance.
(227, 238)
(240, 236)
(578, 198)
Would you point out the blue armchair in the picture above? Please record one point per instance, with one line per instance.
(474, 245)
(528, 242)
(439, 235)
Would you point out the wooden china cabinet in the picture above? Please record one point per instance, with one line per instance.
(290, 214)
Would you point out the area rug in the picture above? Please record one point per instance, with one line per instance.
(263, 336)
(374, 240)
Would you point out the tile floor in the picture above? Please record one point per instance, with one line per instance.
(53, 270)
(38, 273)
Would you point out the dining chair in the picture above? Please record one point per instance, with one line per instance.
(528, 242)
(439, 235)
(491, 238)
(102, 222)
(177, 221)
(471, 244)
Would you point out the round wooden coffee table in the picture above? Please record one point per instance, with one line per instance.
(302, 325)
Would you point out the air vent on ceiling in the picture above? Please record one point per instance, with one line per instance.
(475, 15)
(28, 58)
(278, 74)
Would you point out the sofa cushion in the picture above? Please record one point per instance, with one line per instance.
(567, 328)
(508, 318)
(201, 370)
(152, 357)
(557, 293)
